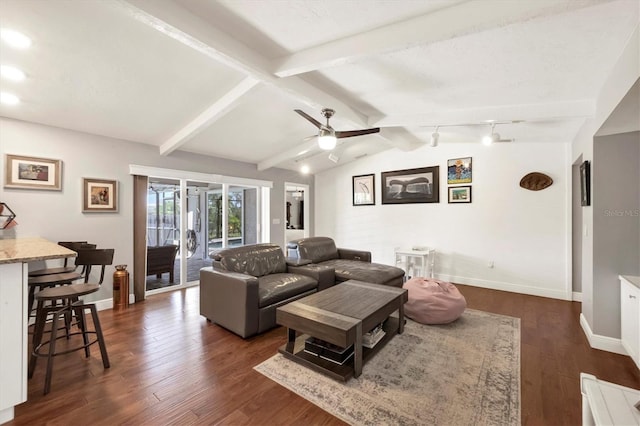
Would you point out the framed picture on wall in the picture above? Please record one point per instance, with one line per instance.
(585, 183)
(459, 194)
(459, 170)
(99, 195)
(32, 173)
(420, 185)
(364, 190)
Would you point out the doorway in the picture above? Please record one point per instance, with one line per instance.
(296, 199)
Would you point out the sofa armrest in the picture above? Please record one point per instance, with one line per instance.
(325, 275)
(230, 299)
(297, 261)
(364, 256)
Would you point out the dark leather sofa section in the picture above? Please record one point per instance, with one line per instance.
(348, 264)
(246, 284)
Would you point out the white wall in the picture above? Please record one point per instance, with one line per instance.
(624, 73)
(525, 233)
(57, 215)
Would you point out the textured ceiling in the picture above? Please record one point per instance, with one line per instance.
(223, 77)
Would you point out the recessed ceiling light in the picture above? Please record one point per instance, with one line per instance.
(11, 73)
(305, 169)
(15, 39)
(9, 98)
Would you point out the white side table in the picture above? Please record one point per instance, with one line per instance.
(605, 403)
(416, 263)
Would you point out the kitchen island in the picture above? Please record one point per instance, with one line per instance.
(15, 255)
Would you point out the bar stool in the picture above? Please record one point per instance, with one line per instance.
(48, 303)
(51, 277)
(71, 245)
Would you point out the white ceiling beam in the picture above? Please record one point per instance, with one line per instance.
(300, 150)
(526, 112)
(180, 24)
(217, 110)
(443, 24)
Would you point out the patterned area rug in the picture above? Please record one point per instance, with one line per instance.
(464, 373)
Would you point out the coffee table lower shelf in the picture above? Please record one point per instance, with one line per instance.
(336, 371)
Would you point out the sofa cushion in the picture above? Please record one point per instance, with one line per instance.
(277, 287)
(375, 273)
(257, 260)
(317, 249)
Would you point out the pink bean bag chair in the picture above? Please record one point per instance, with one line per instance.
(433, 301)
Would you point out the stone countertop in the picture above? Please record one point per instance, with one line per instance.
(631, 279)
(31, 249)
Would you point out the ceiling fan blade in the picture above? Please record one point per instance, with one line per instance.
(309, 118)
(350, 133)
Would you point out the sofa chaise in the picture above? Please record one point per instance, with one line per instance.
(245, 285)
(348, 264)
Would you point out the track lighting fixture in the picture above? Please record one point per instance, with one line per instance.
(491, 137)
(434, 138)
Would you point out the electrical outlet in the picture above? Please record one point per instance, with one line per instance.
(490, 264)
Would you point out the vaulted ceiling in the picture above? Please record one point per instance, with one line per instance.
(223, 77)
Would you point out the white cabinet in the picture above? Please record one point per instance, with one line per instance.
(13, 335)
(605, 403)
(416, 263)
(630, 316)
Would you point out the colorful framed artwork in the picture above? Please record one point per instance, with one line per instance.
(420, 185)
(459, 170)
(99, 195)
(364, 190)
(459, 194)
(32, 173)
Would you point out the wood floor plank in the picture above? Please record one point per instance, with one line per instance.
(170, 366)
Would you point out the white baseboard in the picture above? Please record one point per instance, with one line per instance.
(576, 296)
(514, 288)
(603, 343)
(108, 303)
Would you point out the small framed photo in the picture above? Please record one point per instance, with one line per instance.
(99, 195)
(459, 170)
(459, 194)
(364, 190)
(32, 173)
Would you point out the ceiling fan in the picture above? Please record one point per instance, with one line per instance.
(327, 136)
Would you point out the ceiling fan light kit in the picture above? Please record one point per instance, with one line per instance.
(327, 139)
(327, 136)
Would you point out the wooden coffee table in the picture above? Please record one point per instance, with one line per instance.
(341, 315)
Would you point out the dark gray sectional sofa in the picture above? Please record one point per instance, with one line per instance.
(348, 264)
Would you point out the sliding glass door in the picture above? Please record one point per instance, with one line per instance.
(191, 215)
(239, 210)
(163, 232)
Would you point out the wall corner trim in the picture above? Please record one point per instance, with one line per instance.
(603, 343)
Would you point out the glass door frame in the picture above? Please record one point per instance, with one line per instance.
(263, 217)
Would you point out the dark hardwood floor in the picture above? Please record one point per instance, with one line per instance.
(169, 366)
